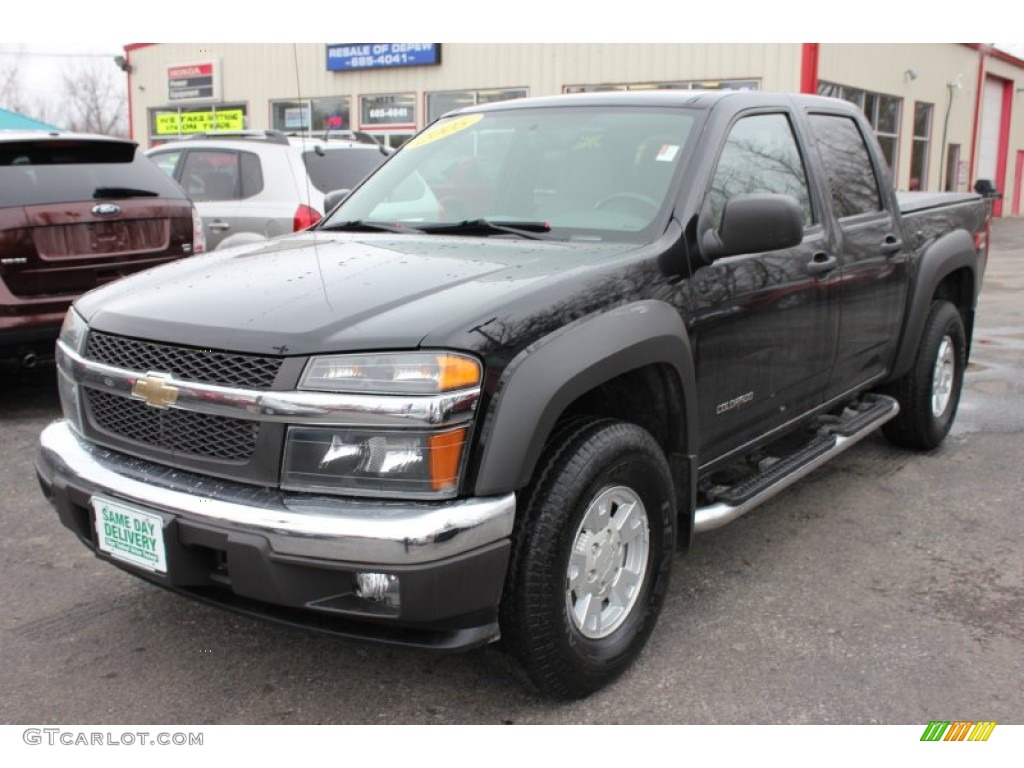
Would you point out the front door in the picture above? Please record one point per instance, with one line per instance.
(765, 324)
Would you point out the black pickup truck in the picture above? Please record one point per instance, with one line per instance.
(494, 392)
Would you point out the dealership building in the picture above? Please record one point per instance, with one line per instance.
(946, 114)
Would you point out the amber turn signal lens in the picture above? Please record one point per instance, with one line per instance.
(445, 455)
(457, 372)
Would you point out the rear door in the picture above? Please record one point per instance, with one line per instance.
(874, 265)
(226, 186)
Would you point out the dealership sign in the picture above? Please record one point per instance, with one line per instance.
(174, 123)
(344, 57)
(191, 82)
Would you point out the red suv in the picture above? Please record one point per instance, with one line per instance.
(78, 211)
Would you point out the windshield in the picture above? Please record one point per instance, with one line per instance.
(585, 172)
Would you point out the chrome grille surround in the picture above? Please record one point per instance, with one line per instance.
(115, 417)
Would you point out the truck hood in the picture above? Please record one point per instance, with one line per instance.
(333, 292)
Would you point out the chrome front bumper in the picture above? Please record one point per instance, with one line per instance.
(302, 525)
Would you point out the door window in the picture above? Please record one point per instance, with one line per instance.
(848, 165)
(167, 161)
(209, 174)
(760, 155)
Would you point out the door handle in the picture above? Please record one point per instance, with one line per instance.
(821, 264)
(219, 226)
(890, 245)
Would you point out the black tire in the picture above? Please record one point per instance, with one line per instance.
(590, 465)
(918, 425)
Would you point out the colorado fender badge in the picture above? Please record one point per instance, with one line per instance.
(736, 402)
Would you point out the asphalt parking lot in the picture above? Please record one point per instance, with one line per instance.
(888, 587)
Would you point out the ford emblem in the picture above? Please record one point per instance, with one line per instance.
(106, 209)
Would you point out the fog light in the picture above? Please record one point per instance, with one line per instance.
(378, 588)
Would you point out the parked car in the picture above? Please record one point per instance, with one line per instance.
(78, 211)
(254, 185)
(663, 310)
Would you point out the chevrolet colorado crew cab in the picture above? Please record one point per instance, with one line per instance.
(515, 370)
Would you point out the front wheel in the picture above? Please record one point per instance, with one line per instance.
(591, 558)
(929, 393)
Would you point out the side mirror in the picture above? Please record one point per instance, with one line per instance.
(334, 198)
(754, 224)
(987, 189)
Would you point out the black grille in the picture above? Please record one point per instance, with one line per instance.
(196, 434)
(226, 369)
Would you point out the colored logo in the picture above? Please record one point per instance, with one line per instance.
(155, 390)
(958, 730)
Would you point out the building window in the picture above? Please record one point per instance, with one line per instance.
(881, 110)
(330, 113)
(922, 139)
(680, 85)
(440, 102)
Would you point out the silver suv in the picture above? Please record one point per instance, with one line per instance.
(253, 185)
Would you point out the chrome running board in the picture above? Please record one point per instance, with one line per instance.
(834, 438)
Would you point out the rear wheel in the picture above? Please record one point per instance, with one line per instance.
(930, 391)
(591, 557)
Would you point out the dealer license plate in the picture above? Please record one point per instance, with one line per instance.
(130, 534)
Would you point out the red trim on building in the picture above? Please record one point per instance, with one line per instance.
(1004, 145)
(1009, 58)
(809, 68)
(128, 74)
(128, 48)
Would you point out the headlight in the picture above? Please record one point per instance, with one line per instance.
(73, 331)
(402, 373)
(414, 464)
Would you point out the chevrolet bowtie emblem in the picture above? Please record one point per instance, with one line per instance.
(155, 390)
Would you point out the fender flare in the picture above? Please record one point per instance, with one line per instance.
(545, 378)
(943, 257)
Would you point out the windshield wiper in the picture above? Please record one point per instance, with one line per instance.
(529, 229)
(105, 193)
(358, 225)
